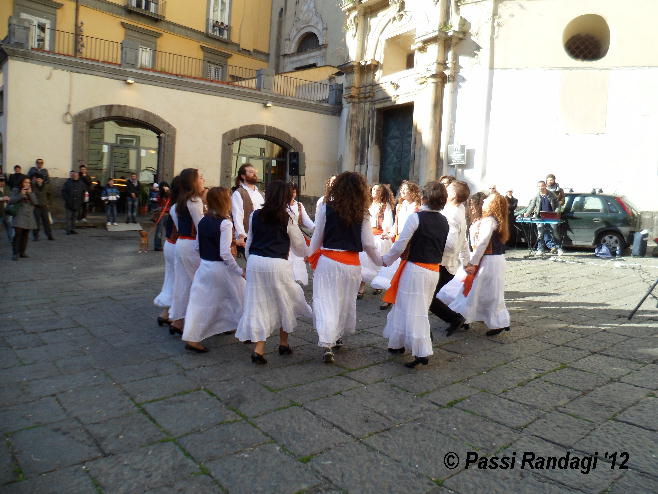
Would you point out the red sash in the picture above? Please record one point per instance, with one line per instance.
(468, 281)
(392, 292)
(341, 256)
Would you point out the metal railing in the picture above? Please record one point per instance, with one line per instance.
(301, 89)
(130, 54)
(153, 8)
(219, 29)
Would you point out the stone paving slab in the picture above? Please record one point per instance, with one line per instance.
(96, 397)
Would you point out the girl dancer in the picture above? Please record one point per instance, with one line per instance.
(381, 222)
(412, 288)
(478, 291)
(218, 288)
(342, 230)
(408, 204)
(186, 215)
(272, 299)
(300, 217)
(165, 297)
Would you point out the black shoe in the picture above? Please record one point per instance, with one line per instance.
(24, 256)
(466, 326)
(396, 350)
(257, 358)
(285, 350)
(51, 238)
(416, 361)
(191, 348)
(339, 343)
(246, 342)
(73, 232)
(376, 292)
(360, 295)
(385, 306)
(494, 332)
(328, 357)
(162, 321)
(455, 325)
(173, 331)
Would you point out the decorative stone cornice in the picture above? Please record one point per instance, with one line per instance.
(45, 3)
(217, 53)
(141, 30)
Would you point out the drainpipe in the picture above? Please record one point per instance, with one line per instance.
(77, 29)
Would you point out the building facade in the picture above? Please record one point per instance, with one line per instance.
(152, 87)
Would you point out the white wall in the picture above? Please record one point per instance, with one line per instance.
(39, 96)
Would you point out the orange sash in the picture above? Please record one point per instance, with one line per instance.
(468, 281)
(341, 256)
(377, 231)
(392, 293)
(183, 237)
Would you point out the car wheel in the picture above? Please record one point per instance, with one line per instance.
(612, 240)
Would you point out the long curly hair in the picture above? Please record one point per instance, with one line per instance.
(349, 196)
(497, 207)
(474, 207)
(384, 195)
(413, 190)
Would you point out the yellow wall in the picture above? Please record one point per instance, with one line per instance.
(6, 8)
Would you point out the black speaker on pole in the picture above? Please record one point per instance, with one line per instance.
(293, 163)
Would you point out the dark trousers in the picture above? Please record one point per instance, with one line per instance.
(131, 210)
(42, 217)
(438, 308)
(20, 241)
(71, 217)
(111, 211)
(82, 213)
(9, 230)
(157, 236)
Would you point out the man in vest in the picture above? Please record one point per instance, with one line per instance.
(245, 199)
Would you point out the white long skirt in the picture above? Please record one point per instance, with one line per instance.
(383, 279)
(166, 293)
(272, 299)
(486, 300)
(299, 270)
(408, 324)
(368, 268)
(335, 286)
(187, 262)
(215, 304)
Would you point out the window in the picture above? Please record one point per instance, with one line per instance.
(398, 55)
(587, 38)
(145, 59)
(39, 32)
(588, 204)
(218, 18)
(308, 42)
(215, 72)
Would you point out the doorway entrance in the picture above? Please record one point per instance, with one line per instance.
(395, 147)
(269, 159)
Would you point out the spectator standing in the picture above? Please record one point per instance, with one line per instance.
(164, 200)
(132, 199)
(154, 198)
(38, 168)
(42, 209)
(545, 200)
(86, 180)
(555, 188)
(24, 221)
(512, 204)
(16, 179)
(73, 194)
(110, 197)
(4, 199)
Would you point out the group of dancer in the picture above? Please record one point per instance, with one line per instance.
(419, 252)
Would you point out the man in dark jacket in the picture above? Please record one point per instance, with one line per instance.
(86, 180)
(545, 200)
(512, 204)
(38, 168)
(41, 189)
(5, 219)
(16, 178)
(132, 199)
(73, 193)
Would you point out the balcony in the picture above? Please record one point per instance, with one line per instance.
(130, 56)
(150, 8)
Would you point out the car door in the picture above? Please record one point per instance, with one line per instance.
(586, 215)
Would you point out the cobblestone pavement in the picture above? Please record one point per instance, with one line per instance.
(95, 397)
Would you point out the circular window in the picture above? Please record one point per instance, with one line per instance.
(587, 38)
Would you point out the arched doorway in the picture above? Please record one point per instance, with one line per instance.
(267, 148)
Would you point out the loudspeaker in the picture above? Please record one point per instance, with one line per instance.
(293, 164)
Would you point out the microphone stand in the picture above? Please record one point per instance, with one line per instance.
(646, 295)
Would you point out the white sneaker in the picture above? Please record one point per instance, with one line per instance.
(540, 252)
(560, 251)
(84, 220)
(115, 224)
(108, 223)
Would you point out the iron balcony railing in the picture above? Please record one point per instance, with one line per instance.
(152, 8)
(301, 89)
(132, 55)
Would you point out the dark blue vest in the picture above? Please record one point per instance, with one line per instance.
(495, 247)
(268, 239)
(337, 235)
(185, 223)
(169, 226)
(209, 236)
(429, 239)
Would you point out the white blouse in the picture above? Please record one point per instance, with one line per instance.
(387, 222)
(226, 237)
